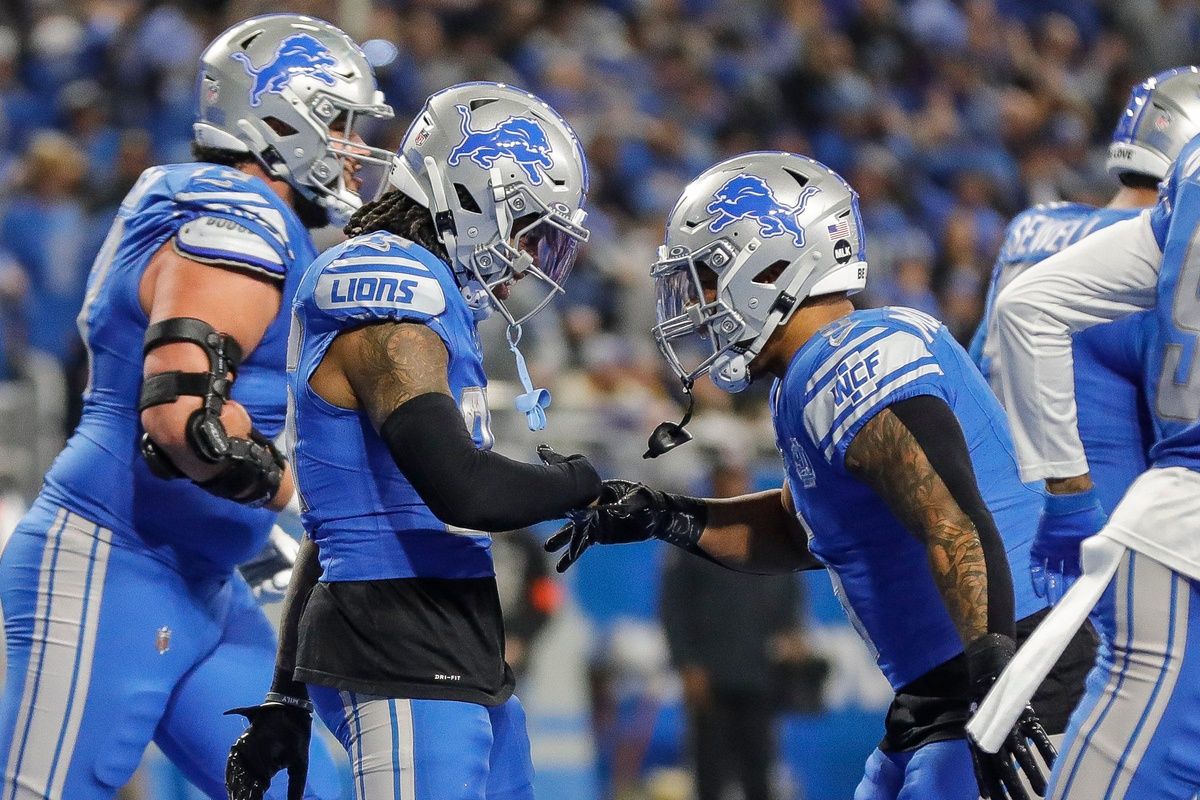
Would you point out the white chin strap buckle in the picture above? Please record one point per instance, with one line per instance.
(731, 373)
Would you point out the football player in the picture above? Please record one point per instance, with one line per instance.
(125, 618)
(401, 640)
(1163, 113)
(884, 425)
(1133, 735)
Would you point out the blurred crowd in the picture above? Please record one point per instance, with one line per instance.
(946, 115)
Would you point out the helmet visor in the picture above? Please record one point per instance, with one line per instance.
(677, 289)
(543, 247)
(682, 332)
(553, 243)
(352, 172)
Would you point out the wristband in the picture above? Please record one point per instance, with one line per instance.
(684, 522)
(1062, 504)
(288, 700)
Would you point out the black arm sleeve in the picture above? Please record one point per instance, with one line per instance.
(933, 424)
(305, 574)
(477, 489)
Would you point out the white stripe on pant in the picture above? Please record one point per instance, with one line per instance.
(1152, 604)
(381, 747)
(67, 616)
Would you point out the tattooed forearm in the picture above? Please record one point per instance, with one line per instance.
(886, 457)
(392, 362)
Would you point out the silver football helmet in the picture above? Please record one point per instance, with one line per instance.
(760, 232)
(1163, 114)
(289, 89)
(497, 168)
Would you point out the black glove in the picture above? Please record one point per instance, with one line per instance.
(277, 739)
(986, 658)
(630, 512)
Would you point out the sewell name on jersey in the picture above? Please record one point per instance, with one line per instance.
(1038, 233)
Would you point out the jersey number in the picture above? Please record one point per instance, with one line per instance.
(476, 415)
(1179, 381)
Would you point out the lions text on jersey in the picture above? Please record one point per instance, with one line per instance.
(125, 620)
(837, 382)
(1113, 419)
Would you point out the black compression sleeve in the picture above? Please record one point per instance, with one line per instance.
(477, 489)
(305, 574)
(933, 424)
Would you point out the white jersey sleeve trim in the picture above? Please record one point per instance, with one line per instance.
(1107, 275)
(821, 375)
(863, 378)
(220, 239)
(871, 406)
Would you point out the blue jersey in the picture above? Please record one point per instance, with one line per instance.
(836, 383)
(1173, 366)
(367, 519)
(1113, 417)
(209, 213)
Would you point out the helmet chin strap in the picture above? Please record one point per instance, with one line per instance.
(443, 220)
(504, 223)
(731, 370)
(259, 147)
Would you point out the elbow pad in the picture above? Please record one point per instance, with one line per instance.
(251, 469)
(477, 489)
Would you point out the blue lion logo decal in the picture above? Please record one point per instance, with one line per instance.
(519, 138)
(300, 54)
(749, 197)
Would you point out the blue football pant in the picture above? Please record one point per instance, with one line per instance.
(108, 649)
(430, 749)
(1136, 733)
(941, 770)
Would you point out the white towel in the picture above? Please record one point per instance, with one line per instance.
(999, 711)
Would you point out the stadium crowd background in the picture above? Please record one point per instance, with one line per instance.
(947, 117)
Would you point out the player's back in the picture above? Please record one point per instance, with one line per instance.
(835, 384)
(1172, 372)
(411, 603)
(210, 213)
(1113, 417)
(367, 518)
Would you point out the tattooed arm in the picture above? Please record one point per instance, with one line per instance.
(397, 372)
(379, 367)
(914, 456)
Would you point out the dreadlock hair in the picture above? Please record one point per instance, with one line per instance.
(399, 214)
